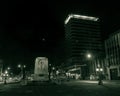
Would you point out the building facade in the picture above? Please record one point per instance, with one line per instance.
(82, 37)
(112, 49)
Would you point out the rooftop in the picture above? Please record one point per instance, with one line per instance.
(80, 17)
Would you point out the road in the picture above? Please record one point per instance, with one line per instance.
(72, 88)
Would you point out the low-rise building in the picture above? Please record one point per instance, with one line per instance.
(112, 49)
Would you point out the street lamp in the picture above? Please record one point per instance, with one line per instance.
(22, 70)
(8, 68)
(99, 69)
(100, 76)
(53, 71)
(6, 72)
(89, 60)
(5, 76)
(89, 55)
(19, 65)
(53, 68)
(49, 70)
(24, 66)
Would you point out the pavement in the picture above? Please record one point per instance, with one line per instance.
(96, 81)
(9, 82)
(70, 88)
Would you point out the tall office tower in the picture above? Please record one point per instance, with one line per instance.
(82, 37)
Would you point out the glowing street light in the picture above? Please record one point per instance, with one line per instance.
(89, 55)
(99, 69)
(53, 68)
(19, 65)
(43, 39)
(6, 72)
(8, 68)
(24, 66)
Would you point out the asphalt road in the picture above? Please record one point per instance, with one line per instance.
(72, 88)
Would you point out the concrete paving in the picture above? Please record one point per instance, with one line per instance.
(71, 88)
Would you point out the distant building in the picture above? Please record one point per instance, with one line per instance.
(82, 37)
(112, 49)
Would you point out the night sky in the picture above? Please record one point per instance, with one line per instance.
(30, 28)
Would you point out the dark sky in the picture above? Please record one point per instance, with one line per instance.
(30, 28)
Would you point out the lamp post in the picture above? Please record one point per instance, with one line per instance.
(100, 76)
(89, 57)
(5, 76)
(49, 70)
(54, 72)
(22, 70)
